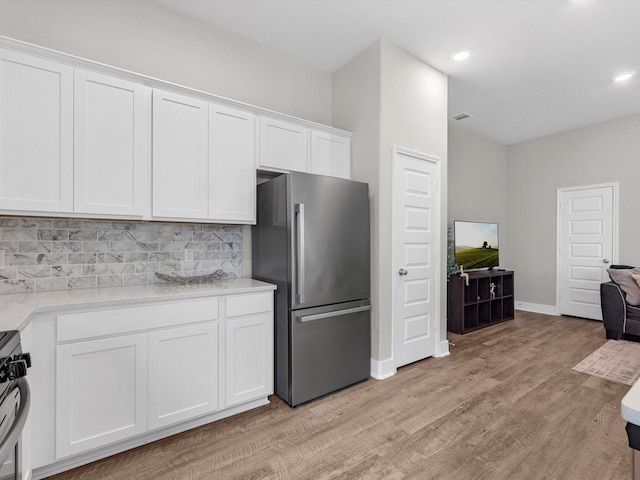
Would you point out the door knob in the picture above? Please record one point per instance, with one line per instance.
(402, 272)
(605, 260)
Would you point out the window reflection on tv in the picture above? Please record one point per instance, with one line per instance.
(476, 244)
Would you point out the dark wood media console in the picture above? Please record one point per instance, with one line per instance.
(473, 307)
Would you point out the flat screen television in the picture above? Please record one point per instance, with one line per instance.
(476, 244)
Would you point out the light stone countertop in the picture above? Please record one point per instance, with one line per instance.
(17, 308)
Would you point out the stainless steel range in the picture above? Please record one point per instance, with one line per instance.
(14, 402)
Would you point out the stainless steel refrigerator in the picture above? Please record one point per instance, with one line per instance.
(312, 240)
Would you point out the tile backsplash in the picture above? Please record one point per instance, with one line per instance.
(58, 253)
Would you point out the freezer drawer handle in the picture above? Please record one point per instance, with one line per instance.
(320, 316)
(300, 257)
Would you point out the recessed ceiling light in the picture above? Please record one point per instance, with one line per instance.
(623, 76)
(461, 55)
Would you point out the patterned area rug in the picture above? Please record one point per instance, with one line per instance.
(616, 360)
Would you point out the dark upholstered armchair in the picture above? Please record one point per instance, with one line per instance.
(620, 302)
(618, 316)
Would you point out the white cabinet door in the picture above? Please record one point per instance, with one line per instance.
(330, 154)
(101, 392)
(248, 358)
(180, 173)
(283, 145)
(111, 146)
(183, 373)
(232, 171)
(36, 134)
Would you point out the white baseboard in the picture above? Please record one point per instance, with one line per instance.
(537, 308)
(443, 349)
(381, 369)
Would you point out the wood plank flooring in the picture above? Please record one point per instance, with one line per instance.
(504, 405)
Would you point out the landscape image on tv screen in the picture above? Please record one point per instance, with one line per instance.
(476, 244)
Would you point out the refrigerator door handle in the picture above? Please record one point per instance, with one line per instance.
(300, 253)
(320, 316)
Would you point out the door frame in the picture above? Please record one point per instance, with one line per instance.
(397, 151)
(615, 224)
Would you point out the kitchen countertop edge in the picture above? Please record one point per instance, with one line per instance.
(17, 309)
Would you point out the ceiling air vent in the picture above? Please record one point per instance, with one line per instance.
(461, 116)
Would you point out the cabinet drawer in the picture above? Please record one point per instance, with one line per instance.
(77, 326)
(249, 304)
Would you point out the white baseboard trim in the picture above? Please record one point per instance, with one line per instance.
(381, 369)
(537, 308)
(443, 349)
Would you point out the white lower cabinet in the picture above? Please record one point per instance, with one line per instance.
(101, 393)
(123, 372)
(183, 373)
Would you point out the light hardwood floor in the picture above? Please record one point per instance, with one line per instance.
(504, 405)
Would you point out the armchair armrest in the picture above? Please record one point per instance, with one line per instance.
(614, 309)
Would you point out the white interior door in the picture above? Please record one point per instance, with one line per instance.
(416, 229)
(587, 219)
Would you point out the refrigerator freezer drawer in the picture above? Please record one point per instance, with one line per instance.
(330, 349)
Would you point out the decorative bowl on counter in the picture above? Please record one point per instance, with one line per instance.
(183, 279)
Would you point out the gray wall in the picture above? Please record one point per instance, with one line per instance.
(388, 97)
(478, 182)
(601, 153)
(149, 39)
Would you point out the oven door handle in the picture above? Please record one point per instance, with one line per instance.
(11, 438)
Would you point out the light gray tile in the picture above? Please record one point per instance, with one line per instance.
(98, 225)
(9, 247)
(172, 246)
(146, 247)
(182, 236)
(109, 258)
(68, 223)
(95, 269)
(120, 268)
(58, 283)
(161, 257)
(166, 267)
(65, 247)
(52, 234)
(191, 227)
(17, 286)
(202, 236)
(147, 267)
(36, 223)
(83, 235)
(122, 247)
(19, 234)
(123, 225)
(135, 257)
(9, 273)
(135, 279)
(110, 280)
(20, 259)
(82, 258)
(52, 259)
(34, 272)
(99, 247)
(66, 270)
(115, 235)
(9, 222)
(81, 282)
(34, 247)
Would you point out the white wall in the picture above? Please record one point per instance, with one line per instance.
(411, 98)
(601, 153)
(149, 39)
(478, 182)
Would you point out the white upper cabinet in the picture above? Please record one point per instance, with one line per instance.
(330, 154)
(232, 171)
(180, 163)
(111, 145)
(284, 146)
(36, 134)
